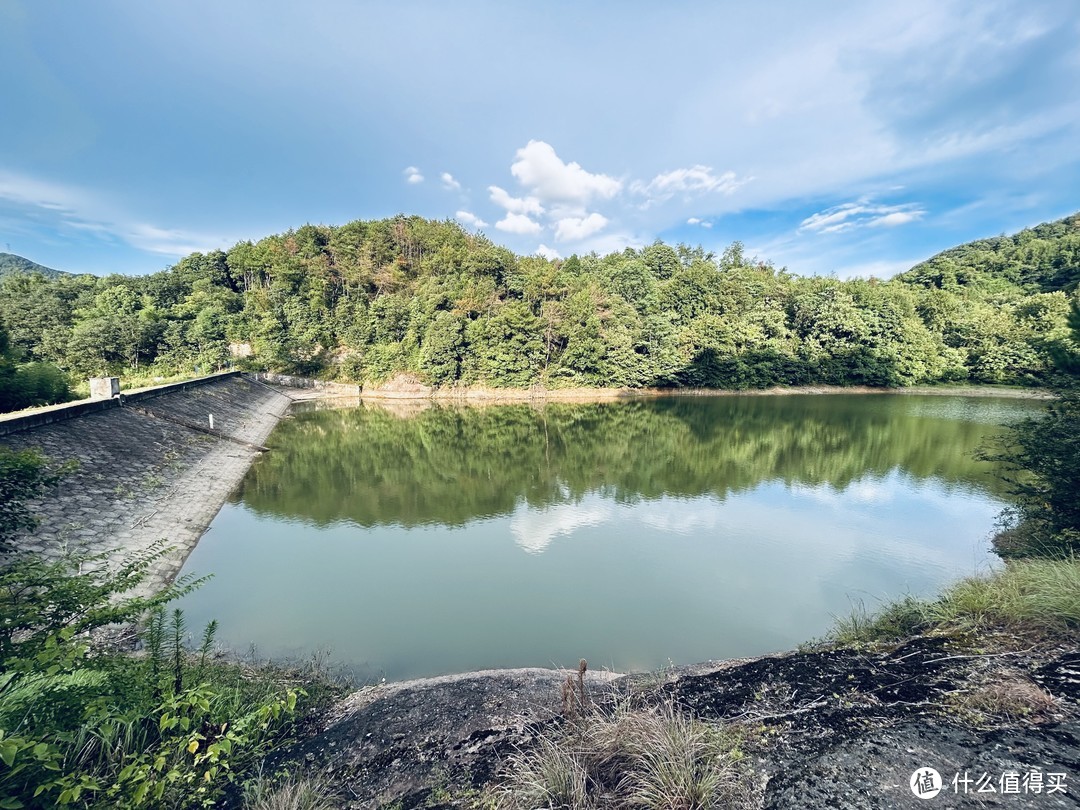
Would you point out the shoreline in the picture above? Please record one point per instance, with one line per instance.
(485, 394)
(408, 388)
(815, 726)
(202, 491)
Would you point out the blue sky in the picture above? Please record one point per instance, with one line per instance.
(835, 137)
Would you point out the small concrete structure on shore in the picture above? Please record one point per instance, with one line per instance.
(104, 387)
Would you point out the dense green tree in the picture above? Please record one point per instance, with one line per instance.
(40, 311)
(661, 259)
(441, 353)
(506, 346)
(1043, 455)
(120, 328)
(1040, 259)
(369, 300)
(24, 385)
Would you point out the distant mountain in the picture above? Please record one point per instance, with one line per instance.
(11, 264)
(1040, 259)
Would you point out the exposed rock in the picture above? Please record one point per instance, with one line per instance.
(410, 741)
(832, 728)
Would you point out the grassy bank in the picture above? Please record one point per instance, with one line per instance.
(1031, 598)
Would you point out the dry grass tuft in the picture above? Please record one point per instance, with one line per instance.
(1009, 698)
(654, 757)
(292, 792)
(551, 775)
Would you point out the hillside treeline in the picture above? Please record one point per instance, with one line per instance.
(369, 300)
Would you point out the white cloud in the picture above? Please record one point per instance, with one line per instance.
(548, 253)
(470, 219)
(518, 223)
(895, 218)
(842, 257)
(166, 241)
(412, 175)
(574, 228)
(695, 180)
(862, 213)
(538, 168)
(831, 219)
(41, 193)
(698, 221)
(449, 182)
(515, 205)
(83, 210)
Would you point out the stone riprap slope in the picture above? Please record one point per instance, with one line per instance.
(149, 470)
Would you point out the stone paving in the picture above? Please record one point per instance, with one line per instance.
(149, 472)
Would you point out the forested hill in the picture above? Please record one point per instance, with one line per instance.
(370, 300)
(10, 263)
(1040, 259)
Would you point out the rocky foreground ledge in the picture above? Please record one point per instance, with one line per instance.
(830, 728)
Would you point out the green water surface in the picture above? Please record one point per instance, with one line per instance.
(450, 539)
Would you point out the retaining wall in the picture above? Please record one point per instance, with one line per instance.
(150, 468)
(323, 386)
(14, 422)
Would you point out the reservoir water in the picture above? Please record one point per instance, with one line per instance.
(418, 541)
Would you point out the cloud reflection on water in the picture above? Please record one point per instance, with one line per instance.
(535, 529)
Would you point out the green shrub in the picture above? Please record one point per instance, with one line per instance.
(86, 726)
(32, 384)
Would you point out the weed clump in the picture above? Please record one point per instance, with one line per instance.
(1008, 698)
(311, 791)
(631, 755)
(1027, 596)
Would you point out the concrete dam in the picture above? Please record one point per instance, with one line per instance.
(153, 466)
